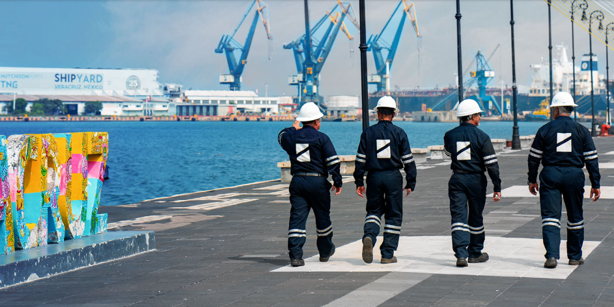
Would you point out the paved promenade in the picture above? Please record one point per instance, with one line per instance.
(228, 248)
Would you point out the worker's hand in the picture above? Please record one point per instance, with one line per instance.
(496, 196)
(533, 188)
(408, 191)
(336, 189)
(297, 125)
(360, 191)
(595, 194)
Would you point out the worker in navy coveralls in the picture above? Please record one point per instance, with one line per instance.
(312, 157)
(383, 151)
(563, 147)
(472, 154)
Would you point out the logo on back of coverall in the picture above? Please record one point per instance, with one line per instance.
(383, 149)
(463, 150)
(302, 153)
(563, 142)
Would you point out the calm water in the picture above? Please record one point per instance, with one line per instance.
(156, 159)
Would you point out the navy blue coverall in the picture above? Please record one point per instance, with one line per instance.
(563, 147)
(312, 158)
(383, 151)
(472, 154)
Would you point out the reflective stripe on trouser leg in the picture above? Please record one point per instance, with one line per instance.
(384, 195)
(550, 206)
(573, 196)
(307, 193)
(476, 200)
(467, 193)
(393, 212)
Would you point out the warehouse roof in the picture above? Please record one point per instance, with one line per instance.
(72, 98)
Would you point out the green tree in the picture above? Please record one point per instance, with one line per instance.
(20, 106)
(52, 106)
(37, 109)
(93, 107)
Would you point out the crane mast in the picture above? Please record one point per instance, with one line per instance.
(313, 48)
(376, 44)
(232, 48)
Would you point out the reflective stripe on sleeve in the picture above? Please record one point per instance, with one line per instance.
(490, 157)
(361, 155)
(591, 157)
(408, 161)
(361, 160)
(333, 162)
(588, 153)
(535, 155)
(406, 156)
(537, 151)
(331, 158)
(490, 161)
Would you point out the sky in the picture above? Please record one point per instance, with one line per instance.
(178, 39)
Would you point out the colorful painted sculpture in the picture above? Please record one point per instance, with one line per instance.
(50, 188)
(7, 239)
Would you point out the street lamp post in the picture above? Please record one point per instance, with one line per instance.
(363, 67)
(583, 5)
(459, 51)
(550, 53)
(599, 16)
(515, 135)
(610, 26)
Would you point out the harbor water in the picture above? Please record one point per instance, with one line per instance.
(157, 159)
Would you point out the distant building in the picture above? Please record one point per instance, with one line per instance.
(123, 92)
(211, 103)
(343, 106)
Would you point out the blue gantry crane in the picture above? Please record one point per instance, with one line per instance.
(232, 48)
(481, 76)
(313, 48)
(376, 44)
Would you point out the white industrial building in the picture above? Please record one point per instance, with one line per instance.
(338, 106)
(221, 103)
(123, 92)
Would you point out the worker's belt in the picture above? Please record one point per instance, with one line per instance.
(460, 171)
(309, 174)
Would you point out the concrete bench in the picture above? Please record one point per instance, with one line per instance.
(419, 154)
(347, 166)
(499, 144)
(526, 141)
(438, 153)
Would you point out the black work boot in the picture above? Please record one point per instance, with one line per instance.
(483, 258)
(367, 250)
(297, 262)
(324, 259)
(550, 263)
(461, 262)
(576, 262)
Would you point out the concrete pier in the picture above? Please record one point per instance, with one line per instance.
(49, 260)
(228, 247)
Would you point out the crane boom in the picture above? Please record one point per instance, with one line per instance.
(377, 43)
(230, 46)
(313, 48)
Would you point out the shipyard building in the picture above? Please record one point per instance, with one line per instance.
(124, 92)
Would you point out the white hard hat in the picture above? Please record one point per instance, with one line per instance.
(386, 102)
(309, 112)
(562, 99)
(468, 107)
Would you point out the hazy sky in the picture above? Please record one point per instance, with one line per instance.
(178, 39)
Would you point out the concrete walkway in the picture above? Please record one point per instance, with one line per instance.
(228, 248)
